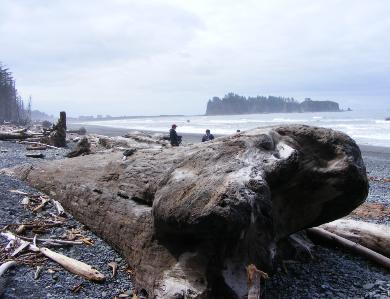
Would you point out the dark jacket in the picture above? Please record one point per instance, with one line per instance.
(207, 137)
(173, 137)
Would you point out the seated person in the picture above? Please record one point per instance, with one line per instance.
(208, 136)
(173, 137)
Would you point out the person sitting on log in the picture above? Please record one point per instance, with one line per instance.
(173, 137)
(208, 136)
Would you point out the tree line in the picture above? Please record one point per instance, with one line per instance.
(235, 104)
(12, 108)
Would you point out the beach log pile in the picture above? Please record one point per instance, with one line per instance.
(54, 137)
(190, 219)
(57, 136)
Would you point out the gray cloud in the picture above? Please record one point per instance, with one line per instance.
(159, 57)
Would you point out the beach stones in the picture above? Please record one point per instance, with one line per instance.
(194, 217)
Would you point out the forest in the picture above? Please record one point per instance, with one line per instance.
(235, 104)
(12, 108)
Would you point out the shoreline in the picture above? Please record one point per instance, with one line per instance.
(190, 138)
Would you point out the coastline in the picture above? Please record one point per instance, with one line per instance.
(190, 138)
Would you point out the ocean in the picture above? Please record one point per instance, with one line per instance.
(366, 127)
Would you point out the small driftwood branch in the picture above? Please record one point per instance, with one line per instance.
(43, 203)
(349, 245)
(4, 267)
(18, 192)
(23, 245)
(114, 267)
(39, 143)
(38, 272)
(52, 241)
(59, 207)
(72, 265)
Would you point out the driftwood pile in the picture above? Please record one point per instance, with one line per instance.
(24, 247)
(55, 136)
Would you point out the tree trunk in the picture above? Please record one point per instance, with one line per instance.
(58, 136)
(190, 219)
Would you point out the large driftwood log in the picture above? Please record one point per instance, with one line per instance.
(374, 236)
(190, 219)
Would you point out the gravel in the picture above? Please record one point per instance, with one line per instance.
(332, 273)
(54, 281)
(378, 166)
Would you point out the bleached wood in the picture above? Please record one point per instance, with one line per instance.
(371, 235)
(352, 246)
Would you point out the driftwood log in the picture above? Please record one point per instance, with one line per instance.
(12, 136)
(58, 135)
(371, 235)
(332, 238)
(190, 219)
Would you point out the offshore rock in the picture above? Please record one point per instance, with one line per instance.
(190, 219)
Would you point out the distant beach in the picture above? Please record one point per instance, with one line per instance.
(189, 138)
(111, 131)
(366, 127)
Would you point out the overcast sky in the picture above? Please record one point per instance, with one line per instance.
(123, 57)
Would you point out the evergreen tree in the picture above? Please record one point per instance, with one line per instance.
(11, 104)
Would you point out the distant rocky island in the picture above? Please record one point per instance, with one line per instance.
(236, 104)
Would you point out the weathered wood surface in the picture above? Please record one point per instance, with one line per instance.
(12, 136)
(351, 246)
(371, 235)
(190, 219)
